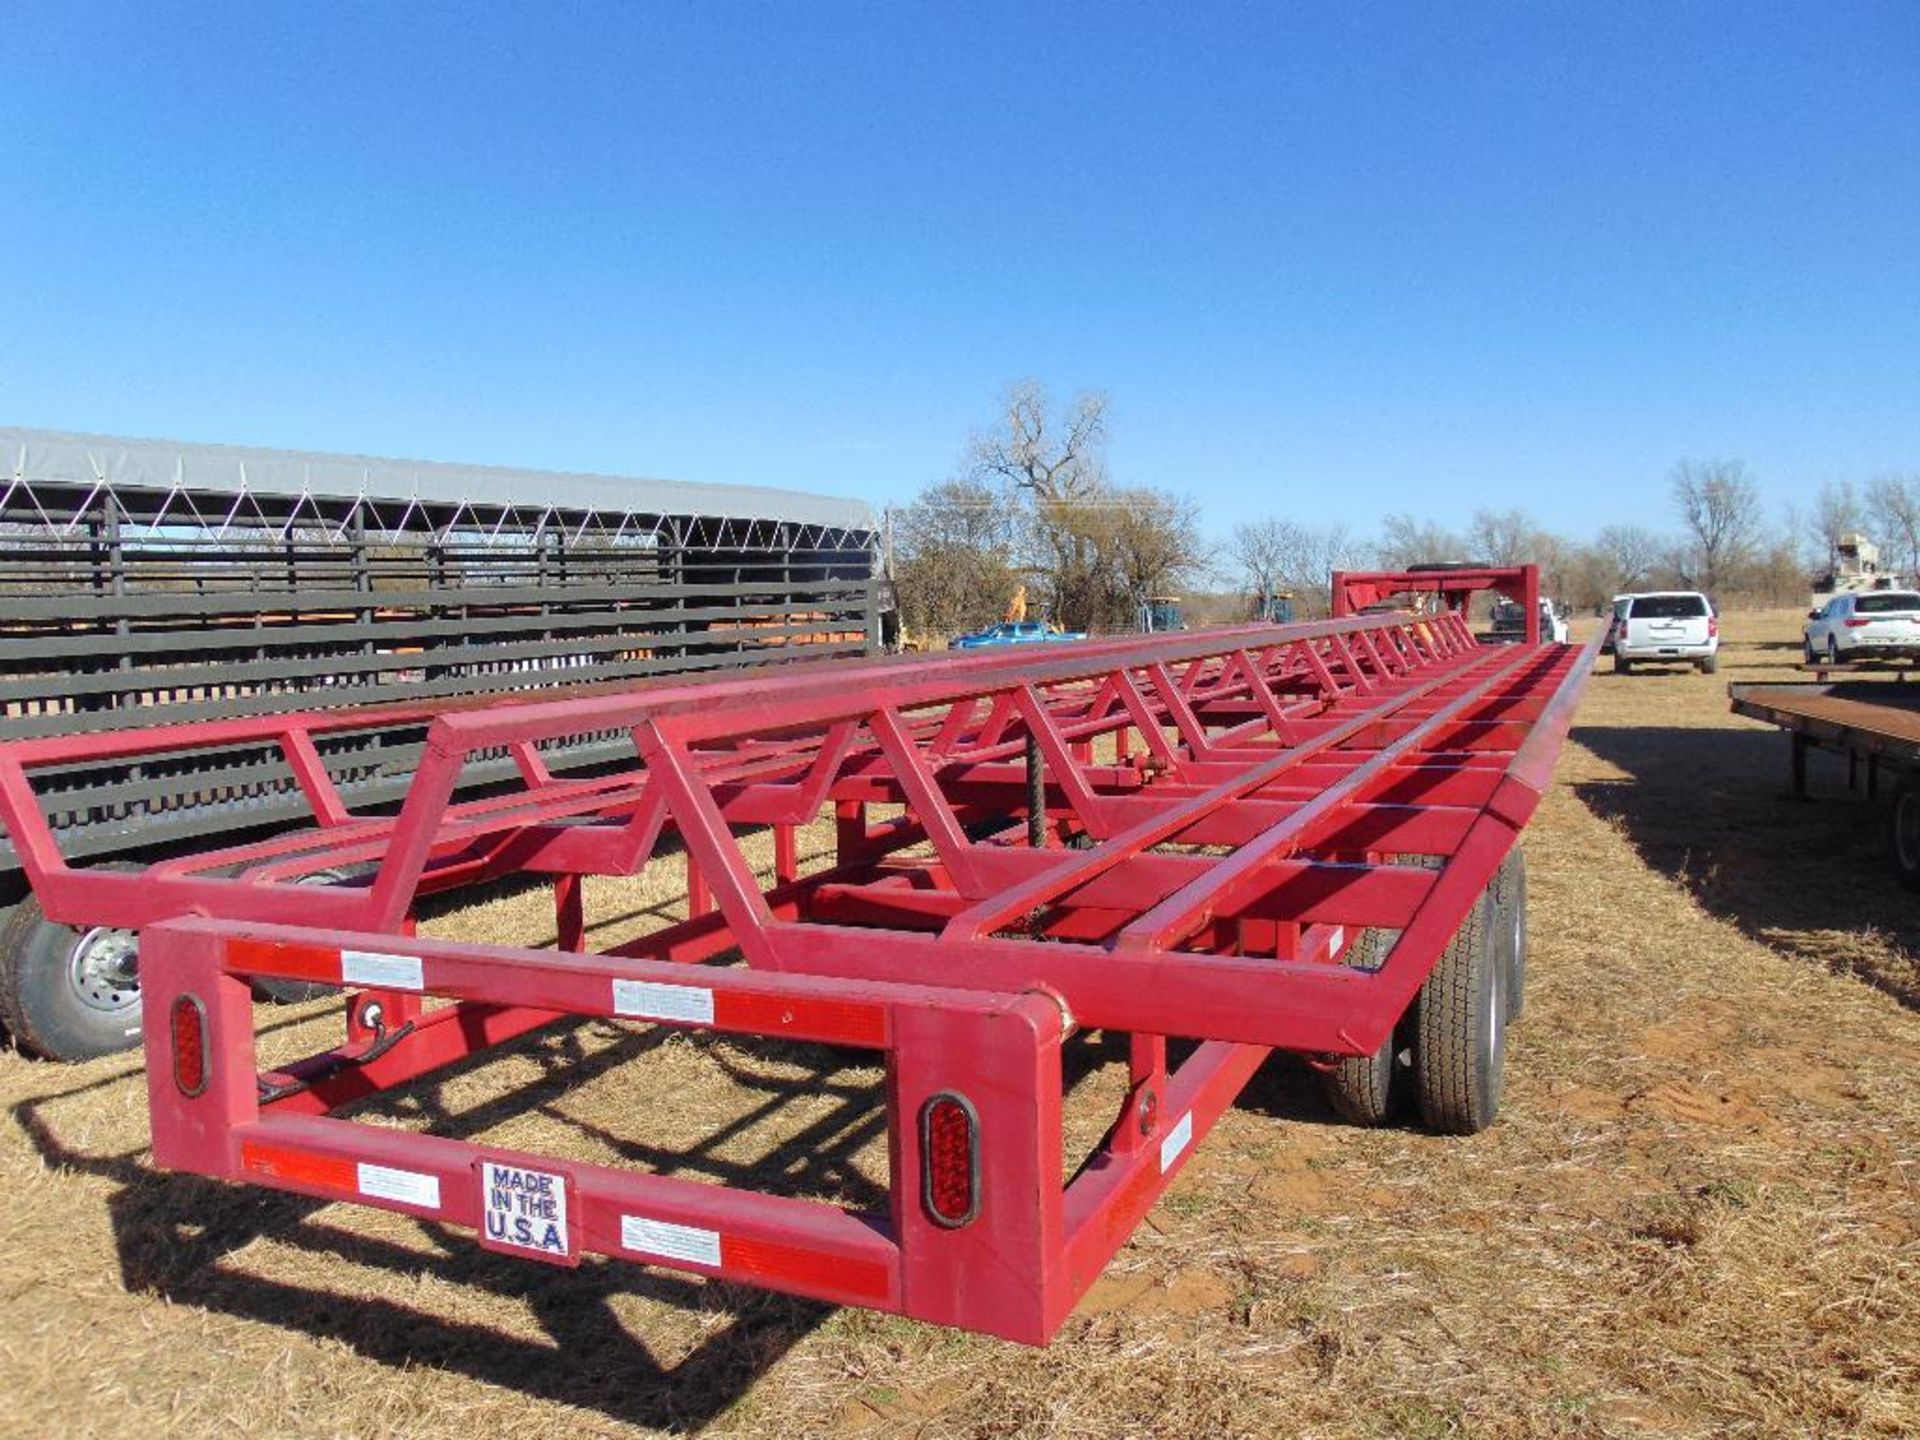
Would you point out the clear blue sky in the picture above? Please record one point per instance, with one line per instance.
(1330, 261)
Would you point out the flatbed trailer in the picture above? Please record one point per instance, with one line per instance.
(1217, 843)
(1874, 723)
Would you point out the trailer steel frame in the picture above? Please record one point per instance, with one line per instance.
(1168, 836)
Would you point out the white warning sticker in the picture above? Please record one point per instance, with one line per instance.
(524, 1209)
(383, 972)
(1336, 941)
(646, 1000)
(1177, 1140)
(667, 1241)
(409, 1187)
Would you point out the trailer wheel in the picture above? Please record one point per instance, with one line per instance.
(1460, 1040)
(297, 992)
(1369, 1089)
(1510, 890)
(1903, 831)
(66, 993)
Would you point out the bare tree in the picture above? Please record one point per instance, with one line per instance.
(1156, 543)
(1053, 458)
(1101, 557)
(1278, 557)
(1406, 541)
(1504, 537)
(1628, 556)
(1720, 509)
(1894, 501)
(1837, 512)
(1260, 548)
(954, 557)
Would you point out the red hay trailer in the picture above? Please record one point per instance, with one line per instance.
(1298, 837)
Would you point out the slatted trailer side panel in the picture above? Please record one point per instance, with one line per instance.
(149, 583)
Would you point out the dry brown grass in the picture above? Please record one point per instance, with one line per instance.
(1696, 1217)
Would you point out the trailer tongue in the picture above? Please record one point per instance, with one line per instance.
(1297, 837)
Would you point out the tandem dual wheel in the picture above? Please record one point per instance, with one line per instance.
(1445, 1057)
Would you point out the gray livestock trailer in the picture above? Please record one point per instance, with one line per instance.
(144, 583)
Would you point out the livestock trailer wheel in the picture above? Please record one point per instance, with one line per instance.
(1460, 1040)
(1510, 893)
(1370, 1089)
(1903, 831)
(66, 993)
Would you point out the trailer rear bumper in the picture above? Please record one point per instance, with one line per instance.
(1012, 1262)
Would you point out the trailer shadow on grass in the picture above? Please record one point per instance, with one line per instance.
(272, 1258)
(1711, 808)
(641, 1346)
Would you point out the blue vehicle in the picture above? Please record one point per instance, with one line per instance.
(1013, 632)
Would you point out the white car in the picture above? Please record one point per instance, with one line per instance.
(1667, 626)
(1874, 623)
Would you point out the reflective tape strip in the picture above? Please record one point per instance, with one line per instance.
(281, 1162)
(292, 962)
(646, 1000)
(409, 1187)
(370, 968)
(272, 1161)
(837, 1022)
(1177, 1141)
(663, 1240)
(836, 1274)
(763, 1260)
(382, 972)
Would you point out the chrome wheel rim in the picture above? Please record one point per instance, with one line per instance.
(102, 969)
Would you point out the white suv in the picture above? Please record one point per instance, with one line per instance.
(1879, 622)
(1675, 626)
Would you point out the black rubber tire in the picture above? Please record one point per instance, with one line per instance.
(40, 1007)
(276, 991)
(1460, 1038)
(1370, 1089)
(1833, 651)
(1709, 665)
(1903, 831)
(1510, 895)
(1807, 646)
(1621, 664)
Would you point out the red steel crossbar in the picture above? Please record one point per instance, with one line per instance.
(1169, 836)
